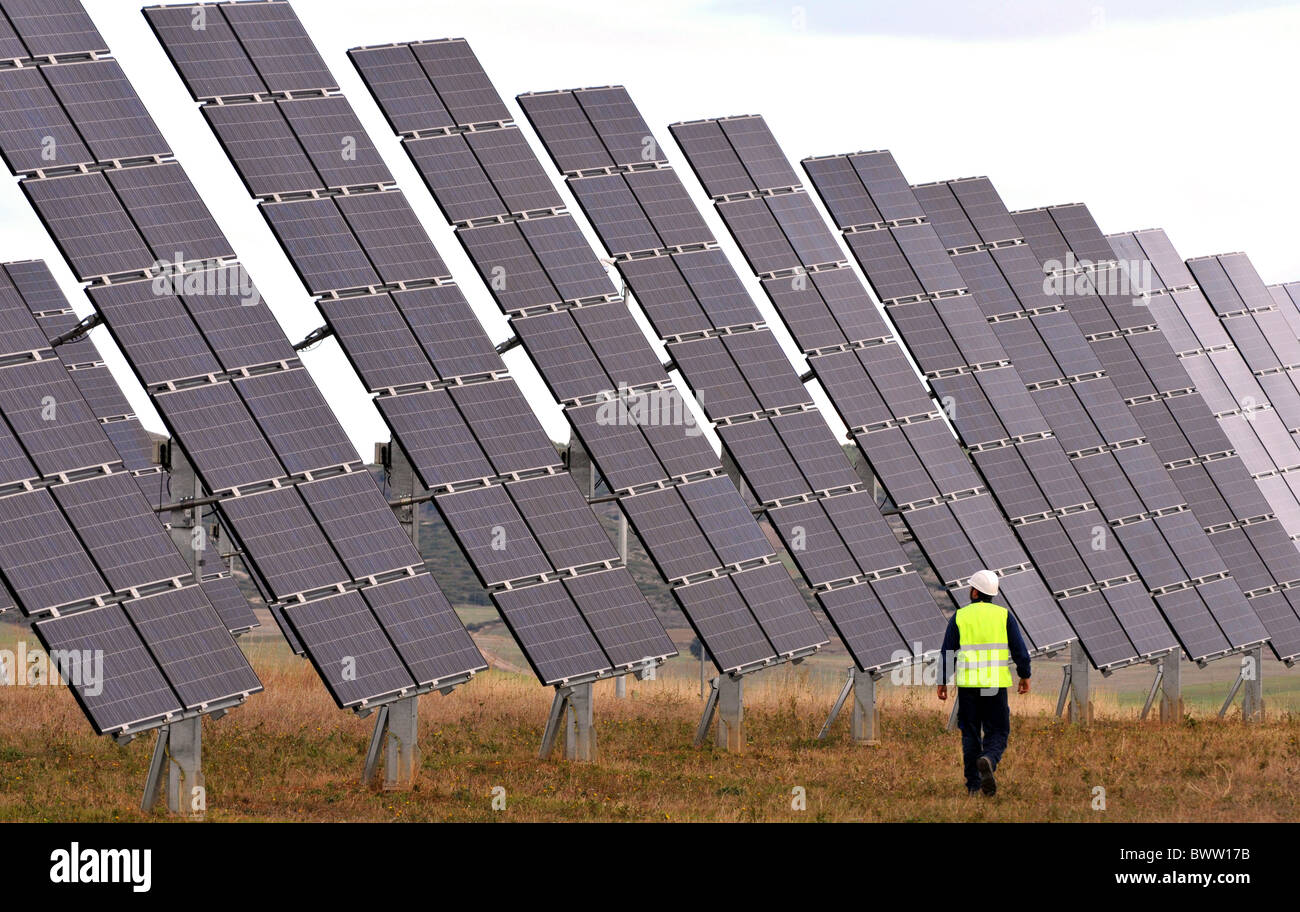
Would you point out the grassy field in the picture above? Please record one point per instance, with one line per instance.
(289, 754)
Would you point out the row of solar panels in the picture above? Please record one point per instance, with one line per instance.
(1063, 448)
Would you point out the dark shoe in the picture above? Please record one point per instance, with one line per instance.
(988, 785)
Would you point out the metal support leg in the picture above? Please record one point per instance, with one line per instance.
(1155, 688)
(839, 704)
(1232, 695)
(952, 715)
(866, 717)
(1080, 695)
(1252, 697)
(403, 743)
(376, 748)
(153, 781)
(553, 722)
(185, 792)
(1065, 691)
(580, 725)
(731, 709)
(1171, 688)
(706, 720)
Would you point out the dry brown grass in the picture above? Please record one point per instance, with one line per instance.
(290, 755)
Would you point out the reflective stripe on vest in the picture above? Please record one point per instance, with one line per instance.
(983, 656)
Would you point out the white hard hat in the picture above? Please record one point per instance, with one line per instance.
(985, 581)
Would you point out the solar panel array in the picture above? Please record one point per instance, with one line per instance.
(1098, 398)
(35, 284)
(1080, 553)
(221, 374)
(1287, 298)
(81, 549)
(615, 393)
(1231, 390)
(740, 375)
(1259, 331)
(1252, 440)
(899, 430)
(438, 381)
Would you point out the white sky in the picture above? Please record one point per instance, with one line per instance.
(1155, 113)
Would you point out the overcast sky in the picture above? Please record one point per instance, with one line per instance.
(1160, 113)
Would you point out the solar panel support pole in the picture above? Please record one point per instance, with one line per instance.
(1249, 677)
(726, 702)
(1080, 708)
(402, 747)
(1155, 688)
(1171, 687)
(1065, 691)
(184, 747)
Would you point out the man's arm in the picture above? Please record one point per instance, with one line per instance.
(949, 647)
(1019, 653)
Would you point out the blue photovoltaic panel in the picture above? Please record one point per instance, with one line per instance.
(424, 629)
(555, 638)
(204, 49)
(224, 595)
(44, 564)
(277, 45)
(35, 133)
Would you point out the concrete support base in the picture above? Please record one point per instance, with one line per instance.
(865, 725)
(580, 725)
(726, 703)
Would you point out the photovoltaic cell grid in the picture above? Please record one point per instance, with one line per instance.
(1238, 510)
(853, 354)
(86, 548)
(188, 346)
(414, 341)
(742, 378)
(1101, 430)
(1011, 442)
(584, 341)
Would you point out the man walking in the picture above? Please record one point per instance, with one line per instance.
(981, 642)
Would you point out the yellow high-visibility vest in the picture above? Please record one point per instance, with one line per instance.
(983, 656)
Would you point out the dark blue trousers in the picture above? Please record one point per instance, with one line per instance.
(985, 722)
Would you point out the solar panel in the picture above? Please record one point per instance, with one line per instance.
(48, 415)
(423, 628)
(509, 267)
(43, 562)
(557, 642)
(566, 257)
(195, 652)
(205, 51)
(670, 534)
(54, 27)
(10, 47)
(617, 613)
(349, 649)
(565, 361)
(781, 610)
(335, 141)
(288, 550)
(275, 41)
(625, 458)
(669, 208)
(619, 125)
(35, 133)
(762, 456)
(296, 420)
(234, 318)
(101, 103)
(223, 593)
(448, 331)
(396, 77)
(454, 176)
(660, 288)
(814, 543)
(261, 144)
(489, 528)
(505, 427)
(359, 525)
(720, 617)
(434, 437)
(374, 335)
(225, 446)
(389, 232)
(462, 87)
(320, 244)
(576, 147)
(169, 213)
(558, 515)
(117, 527)
(155, 333)
(726, 521)
(89, 225)
(610, 203)
(129, 690)
(513, 171)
